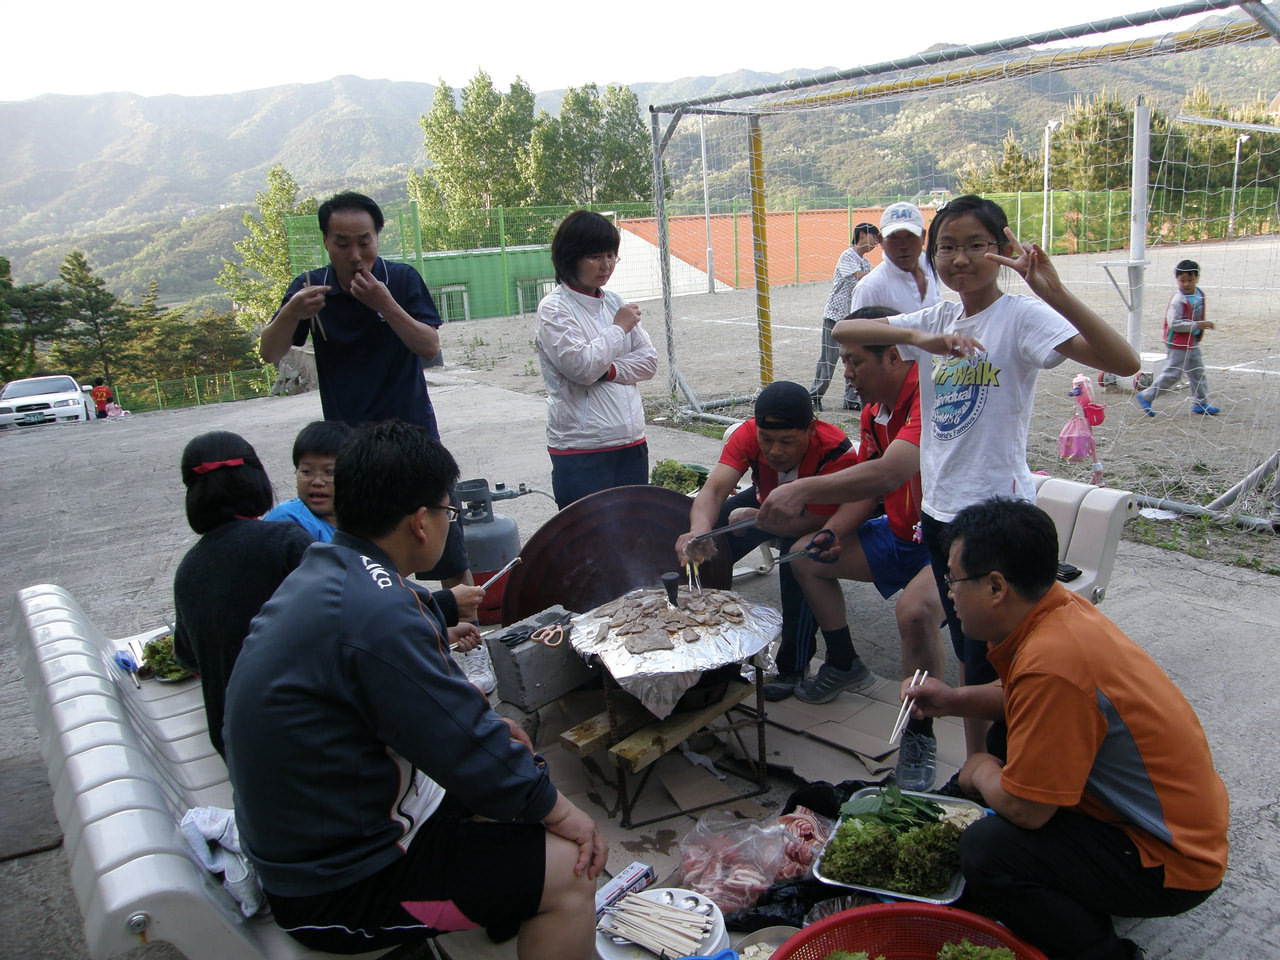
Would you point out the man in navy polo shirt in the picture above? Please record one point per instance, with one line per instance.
(372, 323)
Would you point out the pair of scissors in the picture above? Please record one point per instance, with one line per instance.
(820, 543)
(553, 634)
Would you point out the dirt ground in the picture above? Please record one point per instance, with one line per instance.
(1174, 455)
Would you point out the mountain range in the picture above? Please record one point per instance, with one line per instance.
(155, 187)
(118, 173)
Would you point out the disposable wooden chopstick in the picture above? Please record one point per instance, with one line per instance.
(665, 930)
(904, 712)
(902, 709)
(315, 319)
(652, 936)
(667, 913)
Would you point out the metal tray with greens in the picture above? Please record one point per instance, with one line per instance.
(898, 843)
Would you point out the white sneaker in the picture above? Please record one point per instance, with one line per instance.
(478, 668)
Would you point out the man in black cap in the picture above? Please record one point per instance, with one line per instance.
(781, 443)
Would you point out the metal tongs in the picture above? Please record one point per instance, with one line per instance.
(497, 576)
(695, 581)
(818, 544)
(691, 568)
(727, 528)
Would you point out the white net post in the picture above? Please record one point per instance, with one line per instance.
(1138, 221)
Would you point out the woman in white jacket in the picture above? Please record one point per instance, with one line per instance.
(593, 353)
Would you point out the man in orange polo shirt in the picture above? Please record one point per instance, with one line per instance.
(1106, 797)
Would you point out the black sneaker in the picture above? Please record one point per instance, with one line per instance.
(828, 683)
(782, 686)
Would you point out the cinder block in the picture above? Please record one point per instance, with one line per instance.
(531, 675)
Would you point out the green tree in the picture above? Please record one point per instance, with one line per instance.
(31, 314)
(100, 336)
(565, 152)
(1203, 157)
(212, 342)
(626, 156)
(174, 345)
(1093, 149)
(489, 152)
(1015, 170)
(596, 150)
(478, 152)
(257, 283)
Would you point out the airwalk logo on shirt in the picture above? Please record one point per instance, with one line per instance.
(377, 573)
(960, 389)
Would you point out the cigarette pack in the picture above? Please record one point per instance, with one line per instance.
(635, 876)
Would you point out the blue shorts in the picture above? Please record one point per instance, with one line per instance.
(893, 562)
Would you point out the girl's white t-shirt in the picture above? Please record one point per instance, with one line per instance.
(979, 408)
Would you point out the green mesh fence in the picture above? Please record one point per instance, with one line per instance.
(496, 262)
(195, 390)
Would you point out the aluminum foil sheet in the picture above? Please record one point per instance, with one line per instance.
(659, 678)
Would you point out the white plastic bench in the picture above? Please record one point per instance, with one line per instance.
(125, 764)
(1090, 521)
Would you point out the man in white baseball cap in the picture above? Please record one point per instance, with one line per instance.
(903, 280)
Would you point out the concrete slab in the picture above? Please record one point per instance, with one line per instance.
(97, 508)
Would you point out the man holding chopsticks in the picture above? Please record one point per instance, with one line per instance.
(780, 444)
(372, 322)
(883, 550)
(372, 325)
(1106, 798)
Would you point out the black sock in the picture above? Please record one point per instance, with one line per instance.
(923, 726)
(840, 652)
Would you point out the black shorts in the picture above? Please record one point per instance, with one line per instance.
(458, 874)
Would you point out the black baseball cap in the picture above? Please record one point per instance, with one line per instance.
(784, 405)
(1186, 266)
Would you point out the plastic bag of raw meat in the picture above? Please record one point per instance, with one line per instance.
(732, 861)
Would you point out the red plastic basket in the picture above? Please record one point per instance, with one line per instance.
(900, 931)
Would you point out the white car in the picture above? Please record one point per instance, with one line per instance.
(36, 400)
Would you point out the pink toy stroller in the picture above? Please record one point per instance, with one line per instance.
(1075, 442)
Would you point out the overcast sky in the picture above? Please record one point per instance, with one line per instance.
(150, 47)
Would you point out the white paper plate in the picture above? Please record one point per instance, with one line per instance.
(714, 942)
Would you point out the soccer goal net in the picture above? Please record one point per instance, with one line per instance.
(1044, 125)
